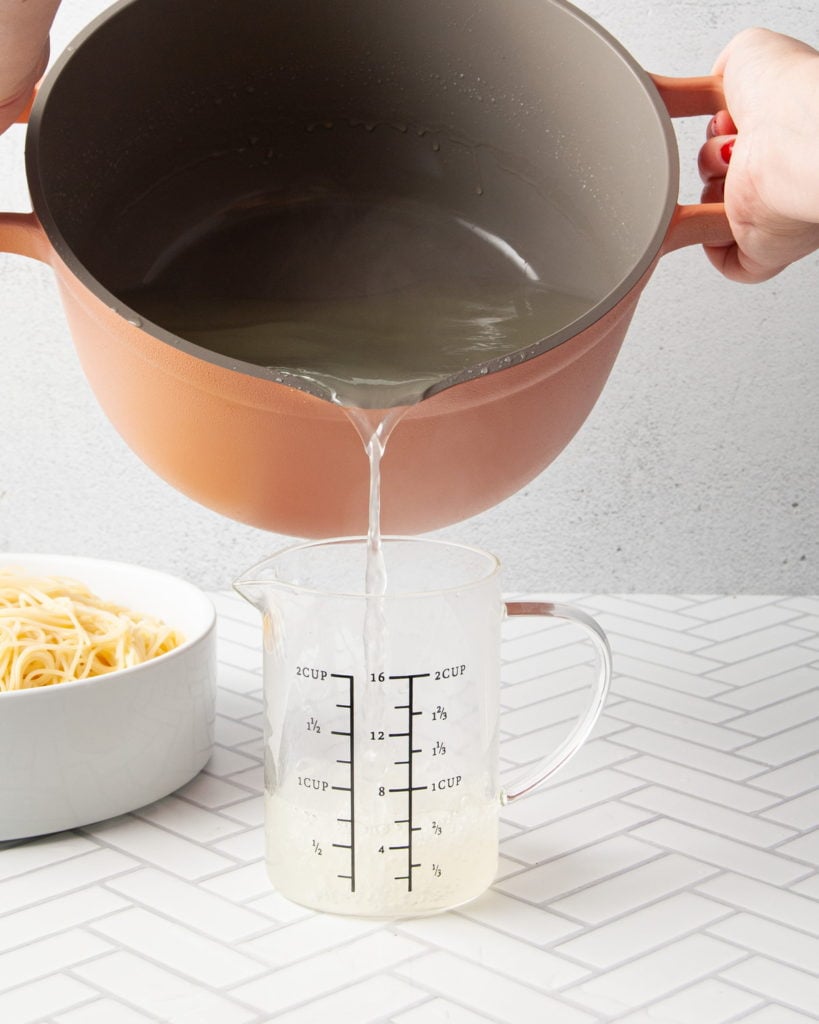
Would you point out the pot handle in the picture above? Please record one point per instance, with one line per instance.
(23, 235)
(697, 223)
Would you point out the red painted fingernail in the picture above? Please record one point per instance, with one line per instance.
(726, 150)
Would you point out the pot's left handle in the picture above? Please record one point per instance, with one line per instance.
(22, 233)
(24, 55)
(697, 223)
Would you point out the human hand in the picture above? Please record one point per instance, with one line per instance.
(762, 154)
(24, 49)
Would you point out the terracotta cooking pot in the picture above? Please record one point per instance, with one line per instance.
(165, 111)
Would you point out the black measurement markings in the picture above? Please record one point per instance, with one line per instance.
(410, 788)
(350, 760)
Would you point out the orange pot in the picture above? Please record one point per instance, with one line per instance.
(156, 86)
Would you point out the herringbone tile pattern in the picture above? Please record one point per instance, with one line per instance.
(670, 874)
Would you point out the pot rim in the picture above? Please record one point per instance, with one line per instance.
(282, 377)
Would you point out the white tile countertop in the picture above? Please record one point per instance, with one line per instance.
(670, 874)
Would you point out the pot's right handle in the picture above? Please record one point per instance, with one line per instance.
(697, 223)
(686, 97)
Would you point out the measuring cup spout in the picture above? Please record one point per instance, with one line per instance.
(251, 592)
(251, 586)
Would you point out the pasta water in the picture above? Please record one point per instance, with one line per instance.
(373, 303)
(454, 855)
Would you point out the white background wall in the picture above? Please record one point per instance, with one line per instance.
(697, 472)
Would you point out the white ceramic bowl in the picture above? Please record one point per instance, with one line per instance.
(78, 752)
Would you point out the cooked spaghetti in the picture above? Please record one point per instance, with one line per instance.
(54, 630)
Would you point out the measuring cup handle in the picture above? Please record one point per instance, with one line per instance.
(569, 747)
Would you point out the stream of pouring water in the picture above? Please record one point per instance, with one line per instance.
(374, 427)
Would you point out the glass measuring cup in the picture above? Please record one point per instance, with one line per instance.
(381, 723)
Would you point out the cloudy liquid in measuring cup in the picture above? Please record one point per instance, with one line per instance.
(455, 865)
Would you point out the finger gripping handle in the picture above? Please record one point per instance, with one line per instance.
(580, 733)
